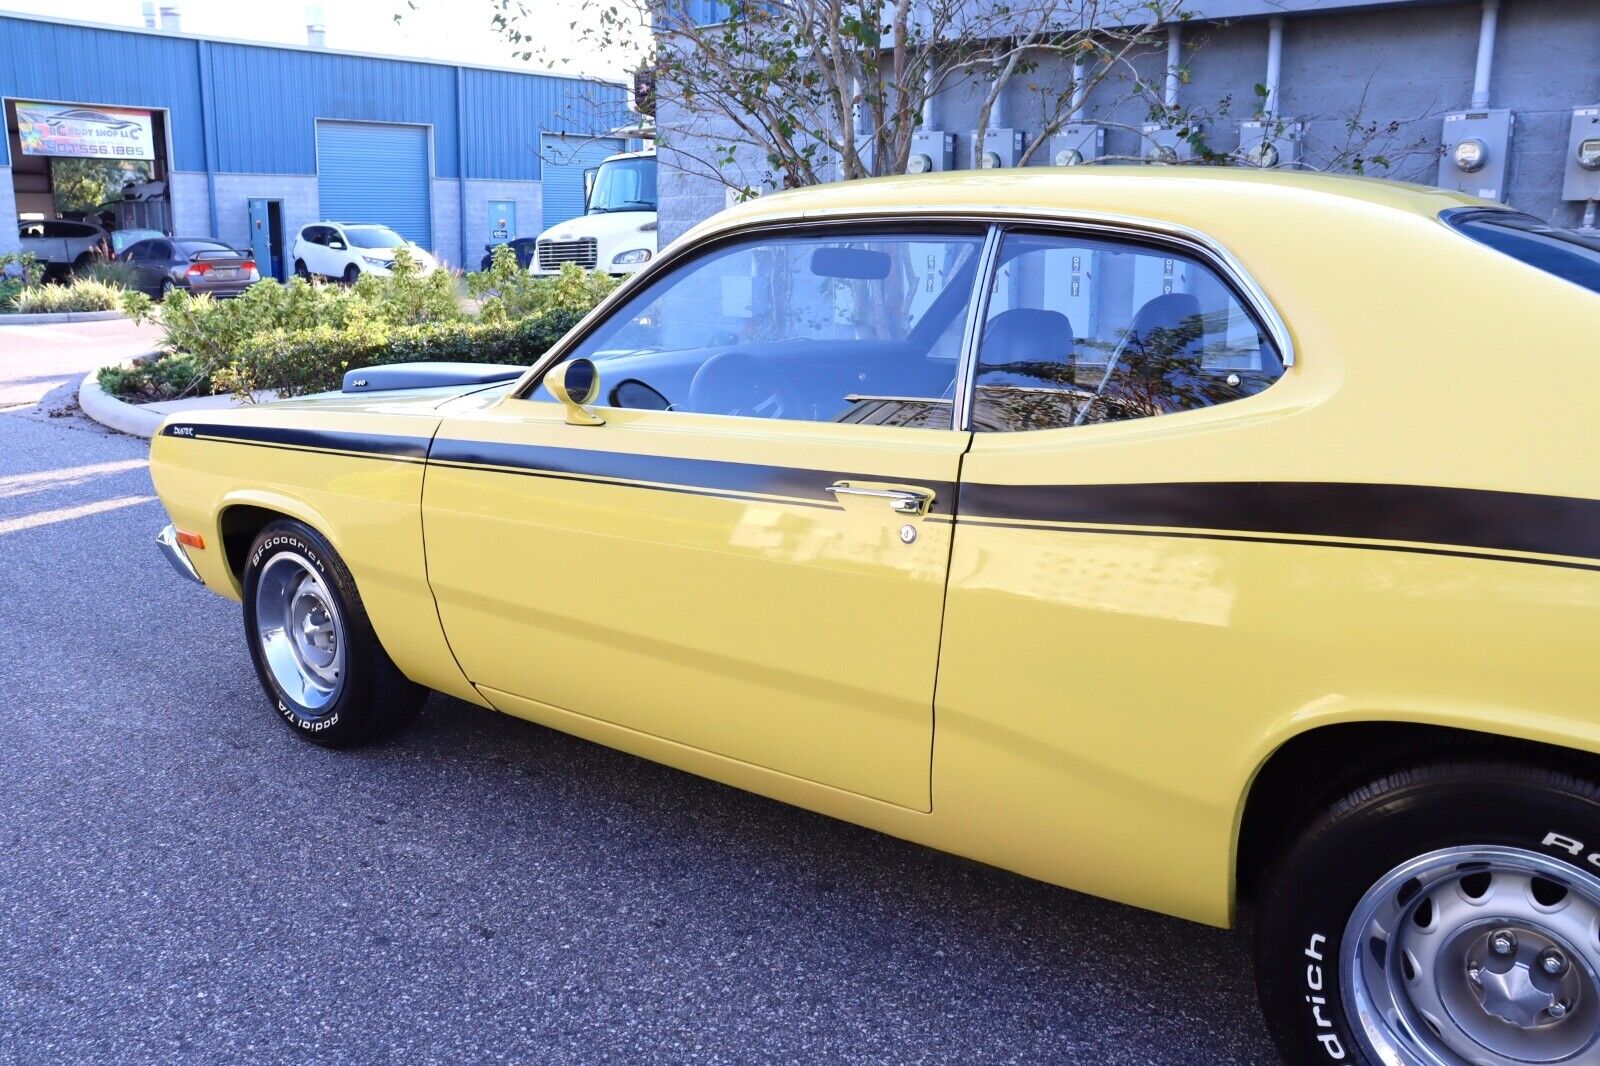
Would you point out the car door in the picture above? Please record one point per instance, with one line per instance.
(309, 249)
(749, 556)
(1104, 610)
(135, 256)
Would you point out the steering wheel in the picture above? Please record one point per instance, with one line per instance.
(737, 383)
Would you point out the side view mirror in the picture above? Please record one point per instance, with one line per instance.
(576, 383)
(337, 246)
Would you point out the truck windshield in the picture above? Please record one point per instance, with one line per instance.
(624, 185)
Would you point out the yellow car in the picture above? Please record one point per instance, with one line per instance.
(1199, 539)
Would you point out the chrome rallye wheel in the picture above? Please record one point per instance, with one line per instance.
(313, 646)
(1441, 916)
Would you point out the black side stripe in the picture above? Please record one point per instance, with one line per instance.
(378, 445)
(712, 476)
(1307, 542)
(1423, 514)
(1470, 523)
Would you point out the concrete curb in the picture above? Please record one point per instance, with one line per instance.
(63, 316)
(113, 413)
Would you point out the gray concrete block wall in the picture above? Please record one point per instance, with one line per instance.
(191, 204)
(1403, 64)
(8, 230)
(446, 220)
(298, 192)
(528, 197)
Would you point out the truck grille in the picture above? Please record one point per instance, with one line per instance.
(553, 253)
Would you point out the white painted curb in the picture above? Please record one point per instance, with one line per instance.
(113, 413)
(60, 316)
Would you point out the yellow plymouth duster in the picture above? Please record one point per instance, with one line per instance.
(1218, 542)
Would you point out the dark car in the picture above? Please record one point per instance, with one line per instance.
(199, 264)
(523, 246)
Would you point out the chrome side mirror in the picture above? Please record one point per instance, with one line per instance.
(576, 383)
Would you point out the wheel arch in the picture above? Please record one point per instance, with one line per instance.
(1312, 769)
(241, 517)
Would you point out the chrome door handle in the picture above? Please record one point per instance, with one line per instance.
(901, 501)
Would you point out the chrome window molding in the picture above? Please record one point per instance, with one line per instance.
(998, 220)
(977, 316)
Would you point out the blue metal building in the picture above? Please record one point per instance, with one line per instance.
(248, 142)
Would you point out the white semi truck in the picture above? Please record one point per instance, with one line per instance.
(616, 233)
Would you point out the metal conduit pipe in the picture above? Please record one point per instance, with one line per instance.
(1174, 61)
(1274, 65)
(1486, 34)
(1080, 91)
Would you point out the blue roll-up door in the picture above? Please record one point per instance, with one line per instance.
(370, 172)
(564, 161)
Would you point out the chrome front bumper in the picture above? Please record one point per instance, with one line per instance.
(167, 541)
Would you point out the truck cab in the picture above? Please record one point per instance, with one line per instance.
(616, 233)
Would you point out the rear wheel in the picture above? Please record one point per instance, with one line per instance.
(300, 270)
(1442, 916)
(313, 647)
(166, 287)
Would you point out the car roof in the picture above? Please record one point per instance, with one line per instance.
(1187, 194)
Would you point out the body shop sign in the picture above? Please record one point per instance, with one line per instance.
(92, 132)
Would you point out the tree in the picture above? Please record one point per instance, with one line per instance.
(818, 90)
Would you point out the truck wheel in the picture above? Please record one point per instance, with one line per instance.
(313, 647)
(1444, 914)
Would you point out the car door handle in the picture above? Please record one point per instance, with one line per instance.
(901, 501)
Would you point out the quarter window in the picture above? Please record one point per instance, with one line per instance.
(1081, 330)
(860, 326)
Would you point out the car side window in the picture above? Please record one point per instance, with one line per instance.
(315, 235)
(158, 251)
(137, 253)
(854, 326)
(1083, 330)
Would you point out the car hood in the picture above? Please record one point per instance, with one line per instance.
(399, 401)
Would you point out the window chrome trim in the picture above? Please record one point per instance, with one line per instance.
(977, 316)
(995, 218)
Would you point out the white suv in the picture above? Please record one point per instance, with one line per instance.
(345, 251)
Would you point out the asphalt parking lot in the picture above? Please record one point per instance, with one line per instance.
(183, 880)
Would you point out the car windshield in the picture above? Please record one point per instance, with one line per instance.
(624, 185)
(374, 237)
(1566, 253)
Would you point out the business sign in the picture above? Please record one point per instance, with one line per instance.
(85, 132)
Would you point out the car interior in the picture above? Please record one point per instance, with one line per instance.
(1177, 350)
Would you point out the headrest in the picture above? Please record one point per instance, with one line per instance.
(1176, 313)
(1025, 337)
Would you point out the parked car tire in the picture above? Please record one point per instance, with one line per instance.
(1407, 908)
(166, 287)
(352, 274)
(300, 270)
(313, 647)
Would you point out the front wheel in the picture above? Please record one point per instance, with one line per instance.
(1441, 916)
(313, 647)
(352, 274)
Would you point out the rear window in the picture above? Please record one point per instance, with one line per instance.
(1568, 254)
(193, 247)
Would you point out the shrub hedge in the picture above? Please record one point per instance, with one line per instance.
(300, 338)
(296, 362)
